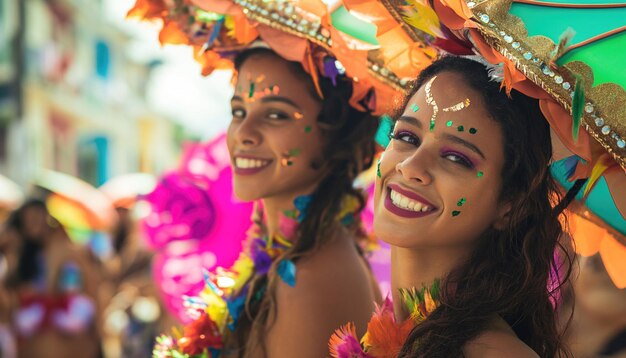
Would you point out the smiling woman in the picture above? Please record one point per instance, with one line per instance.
(298, 151)
(464, 198)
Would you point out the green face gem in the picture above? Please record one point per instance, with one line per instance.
(456, 213)
(449, 123)
(461, 202)
(289, 163)
(432, 125)
(473, 130)
(251, 92)
(415, 107)
(479, 174)
(307, 129)
(378, 168)
(460, 128)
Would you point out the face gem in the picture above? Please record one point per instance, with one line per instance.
(251, 91)
(431, 101)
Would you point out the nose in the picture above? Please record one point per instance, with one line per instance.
(246, 132)
(415, 167)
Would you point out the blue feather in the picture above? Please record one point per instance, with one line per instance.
(215, 31)
(287, 272)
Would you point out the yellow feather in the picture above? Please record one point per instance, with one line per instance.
(423, 18)
(598, 169)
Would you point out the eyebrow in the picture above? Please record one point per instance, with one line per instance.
(266, 99)
(413, 121)
(464, 143)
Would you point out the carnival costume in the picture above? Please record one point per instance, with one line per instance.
(385, 336)
(304, 31)
(567, 55)
(527, 45)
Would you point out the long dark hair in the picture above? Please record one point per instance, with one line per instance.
(28, 266)
(511, 271)
(349, 149)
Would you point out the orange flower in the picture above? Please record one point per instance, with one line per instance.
(172, 34)
(210, 61)
(148, 10)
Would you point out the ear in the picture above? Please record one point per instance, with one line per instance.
(503, 216)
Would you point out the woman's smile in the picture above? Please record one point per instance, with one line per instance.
(407, 204)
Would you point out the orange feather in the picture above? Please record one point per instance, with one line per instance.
(385, 337)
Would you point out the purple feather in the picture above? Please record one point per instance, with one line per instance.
(330, 69)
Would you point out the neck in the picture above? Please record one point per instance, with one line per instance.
(412, 267)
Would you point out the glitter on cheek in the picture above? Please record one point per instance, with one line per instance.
(378, 168)
(461, 202)
(260, 78)
(251, 91)
(480, 174)
(307, 129)
(287, 159)
(415, 107)
(473, 130)
(449, 123)
(275, 89)
(460, 128)
(298, 115)
(456, 213)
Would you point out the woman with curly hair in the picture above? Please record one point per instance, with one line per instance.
(464, 198)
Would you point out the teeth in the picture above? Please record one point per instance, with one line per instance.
(245, 163)
(406, 203)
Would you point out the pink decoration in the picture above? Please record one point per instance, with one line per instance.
(195, 222)
(379, 259)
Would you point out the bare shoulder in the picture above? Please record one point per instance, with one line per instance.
(332, 279)
(498, 341)
(332, 288)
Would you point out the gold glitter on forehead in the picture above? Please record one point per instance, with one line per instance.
(431, 101)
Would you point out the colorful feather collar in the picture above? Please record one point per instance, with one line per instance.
(218, 307)
(385, 337)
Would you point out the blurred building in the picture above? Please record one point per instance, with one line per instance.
(79, 104)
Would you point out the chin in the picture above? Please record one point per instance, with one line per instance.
(394, 234)
(246, 195)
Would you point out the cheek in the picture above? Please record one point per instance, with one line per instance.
(471, 208)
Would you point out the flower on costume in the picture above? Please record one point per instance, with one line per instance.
(201, 334)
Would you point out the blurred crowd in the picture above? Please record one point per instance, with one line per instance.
(59, 298)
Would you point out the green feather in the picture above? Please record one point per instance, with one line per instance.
(578, 105)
